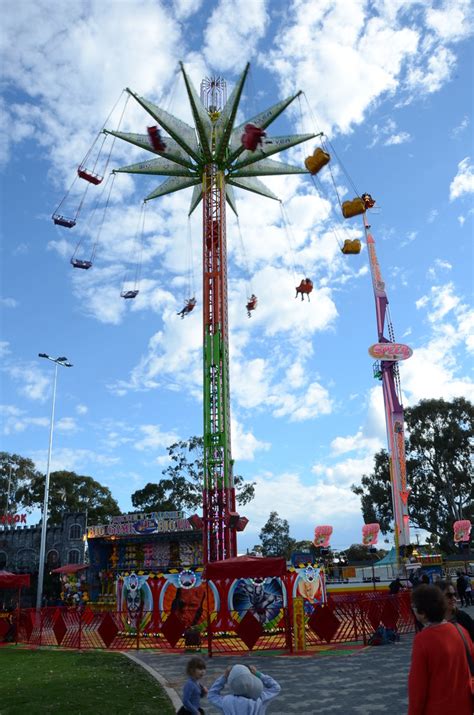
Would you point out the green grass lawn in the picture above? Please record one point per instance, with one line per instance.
(74, 683)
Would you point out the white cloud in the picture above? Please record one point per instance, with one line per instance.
(434, 369)
(336, 46)
(463, 182)
(438, 266)
(4, 348)
(8, 302)
(66, 424)
(388, 135)
(452, 20)
(233, 31)
(82, 409)
(73, 460)
(304, 506)
(245, 444)
(33, 382)
(15, 420)
(154, 438)
(185, 8)
(459, 129)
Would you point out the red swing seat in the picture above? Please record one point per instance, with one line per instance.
(155, 138)
(89, 176)
(252, 137)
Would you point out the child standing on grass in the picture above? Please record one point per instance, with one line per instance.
(250, 691)
(193, 691)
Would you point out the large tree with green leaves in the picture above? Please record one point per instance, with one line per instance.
(71, 492)
(275, 537)
(16, 474)
(439, 471)
(182, 482)
(68, 491)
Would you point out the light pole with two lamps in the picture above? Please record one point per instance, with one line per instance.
(63, 361)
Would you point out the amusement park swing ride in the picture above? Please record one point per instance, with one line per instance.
(214, 157)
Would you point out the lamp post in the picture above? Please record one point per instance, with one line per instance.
(63, 361)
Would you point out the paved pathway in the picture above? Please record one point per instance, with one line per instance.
(373, 680)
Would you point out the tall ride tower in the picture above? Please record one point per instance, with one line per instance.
(212, 158)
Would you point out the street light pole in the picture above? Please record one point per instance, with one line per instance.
(63, 361)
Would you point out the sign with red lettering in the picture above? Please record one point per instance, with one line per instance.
(390, 351)
(12, 519)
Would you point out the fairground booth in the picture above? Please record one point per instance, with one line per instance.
(141, 548)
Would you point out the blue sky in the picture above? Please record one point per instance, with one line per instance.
(390, 83)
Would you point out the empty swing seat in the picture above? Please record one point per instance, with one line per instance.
(351, 247)
(316, 161)
(128, 294)
(155, 138)
(63, 221)
(356, 207)
(89, 176)
(252, 137)
(78, 263)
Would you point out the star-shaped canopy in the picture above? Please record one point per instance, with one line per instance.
(213, 140)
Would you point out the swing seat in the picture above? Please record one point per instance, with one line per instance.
(306, 286)
(356, 207)
(78, 263)
(252, 303)
(351, 247)
(63, 221)
(252, 137)
(155, 138)
(316, 161)
(128, 294)
(89, 176)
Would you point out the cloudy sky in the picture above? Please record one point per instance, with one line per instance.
(390, 83)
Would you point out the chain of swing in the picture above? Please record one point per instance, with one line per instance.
(90, 170)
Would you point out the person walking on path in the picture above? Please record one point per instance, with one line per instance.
(193, 691)
(439, 681)
(453, 613)
(461, 584)
(251, 691)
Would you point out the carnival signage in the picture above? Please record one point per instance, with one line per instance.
(141, 524)
(12, 519)
(370, 534)
(462, 530)
(390, 351)
(322, 535)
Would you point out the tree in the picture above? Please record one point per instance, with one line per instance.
(19, 471)
(360, 552)
(181, 488)
(439, 471)
(71, 492)
(275, 537)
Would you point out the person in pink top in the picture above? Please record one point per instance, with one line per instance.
(440, 680)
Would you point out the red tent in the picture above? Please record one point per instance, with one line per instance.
(70, 568)
(14, 580)
(245, 567)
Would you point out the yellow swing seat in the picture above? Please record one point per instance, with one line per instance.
(351, 247)
(356, 207)
(316, 161)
